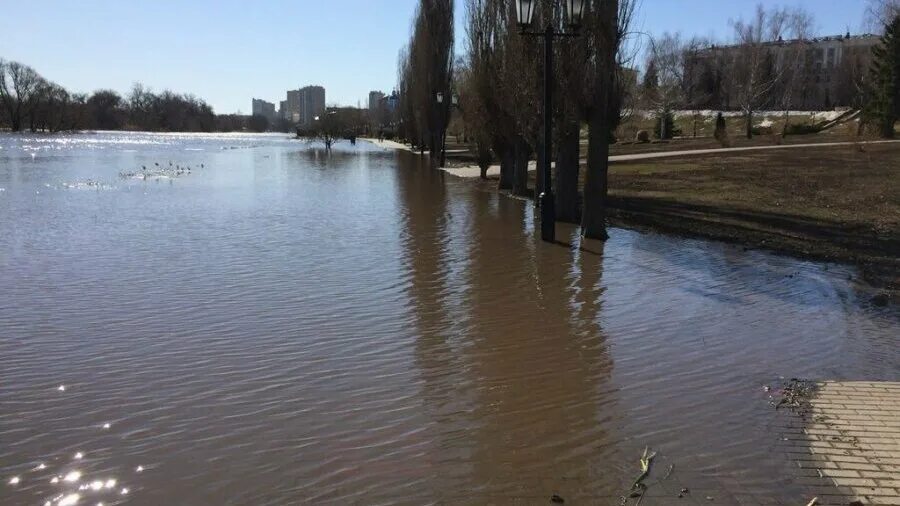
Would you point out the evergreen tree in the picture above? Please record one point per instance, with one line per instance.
(885, 78)
(651, 77)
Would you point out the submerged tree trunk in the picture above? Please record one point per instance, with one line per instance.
(520, 172)
(567, 175)
(593, 215)
(507, 166)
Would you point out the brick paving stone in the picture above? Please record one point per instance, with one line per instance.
(852, 439)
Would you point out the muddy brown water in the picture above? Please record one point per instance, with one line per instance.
(281, 326)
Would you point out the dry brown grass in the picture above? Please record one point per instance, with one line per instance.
(832, 202)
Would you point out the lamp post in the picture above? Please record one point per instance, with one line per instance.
(574, 9)
(439, 97)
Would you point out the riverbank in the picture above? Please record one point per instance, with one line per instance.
(838, 202)
(834, 203)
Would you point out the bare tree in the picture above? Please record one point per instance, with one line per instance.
(426, 69)
(667, 60)
(570, 100)
(480, 97)
(698, 81)
(880, 13)
(794, 66)
(19, 88)
(606, 25)
(754, 71)
(489, 34)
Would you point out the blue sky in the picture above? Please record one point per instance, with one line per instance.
(228, 51)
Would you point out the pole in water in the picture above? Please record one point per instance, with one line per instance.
(548, 206)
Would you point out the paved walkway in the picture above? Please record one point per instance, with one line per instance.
(494, 170)
(848, 446)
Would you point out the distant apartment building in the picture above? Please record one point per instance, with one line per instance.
(283, 112)
(374, 100)
(263, 108)
(827, 67)
(303, 105)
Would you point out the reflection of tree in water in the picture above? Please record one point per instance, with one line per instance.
(427, 238)
(538, 362)
(515, 370)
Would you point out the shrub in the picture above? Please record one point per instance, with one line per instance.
(642, 136)
(671, 130)
(721, 128)
(721, 131)
(762, 130)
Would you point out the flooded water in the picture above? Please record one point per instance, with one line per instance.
(279, 326)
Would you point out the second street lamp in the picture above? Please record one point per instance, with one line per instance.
(574, 10)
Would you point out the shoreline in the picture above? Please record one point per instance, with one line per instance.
(813, 239)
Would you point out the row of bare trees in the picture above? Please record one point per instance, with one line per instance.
(770, 63)
(424, 78)
(30, 102)
(499, 83)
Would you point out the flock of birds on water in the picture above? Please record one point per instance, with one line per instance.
(160, 172)
(156, 173)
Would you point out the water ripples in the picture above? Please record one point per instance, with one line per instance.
(289, 327)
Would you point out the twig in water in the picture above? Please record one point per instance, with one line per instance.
(669, 472)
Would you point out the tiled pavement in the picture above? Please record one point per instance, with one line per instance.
(848, 448)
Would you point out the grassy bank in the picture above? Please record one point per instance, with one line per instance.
(831, 203)
(838, 204)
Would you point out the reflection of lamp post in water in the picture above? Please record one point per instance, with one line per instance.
(524, 14)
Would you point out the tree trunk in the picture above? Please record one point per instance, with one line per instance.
(507, 166)
(567, 175)
(434, 148)
(593, 215)
(520, 172)
(787, 120)
(749, 124)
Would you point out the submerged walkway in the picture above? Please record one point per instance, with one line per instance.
(848, 446)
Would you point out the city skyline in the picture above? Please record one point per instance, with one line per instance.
(350, 49)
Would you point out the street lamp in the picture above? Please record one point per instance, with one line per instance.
(574, 10)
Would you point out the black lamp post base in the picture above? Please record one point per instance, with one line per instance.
(548, 216)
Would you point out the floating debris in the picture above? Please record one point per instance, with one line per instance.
(79, 456)
(646, 460)
(796, 394)
(40, 467)
(61, 388)
(106, 426)
(139, 469)
(14, 480)
(124, 491)
(556, 499)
